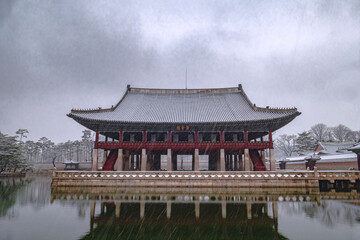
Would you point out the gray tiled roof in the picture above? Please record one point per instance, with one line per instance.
(355, 148)
(344, 157)
(184, 106)
(334, 147)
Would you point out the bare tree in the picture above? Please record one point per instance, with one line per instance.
(54, 153)
(340, 132)
(286, 144)
(357, 136)
(319, 132)
(352, 136)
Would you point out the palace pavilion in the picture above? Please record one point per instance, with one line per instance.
(149, 125)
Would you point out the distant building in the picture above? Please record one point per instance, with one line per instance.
(327, 156)
(148, 125)
(356, 149)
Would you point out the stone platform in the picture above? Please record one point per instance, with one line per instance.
(201, 179)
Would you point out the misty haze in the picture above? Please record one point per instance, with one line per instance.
(179, 119)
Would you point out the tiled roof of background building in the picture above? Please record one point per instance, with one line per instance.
(335, 147)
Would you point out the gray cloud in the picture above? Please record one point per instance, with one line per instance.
(64, 54)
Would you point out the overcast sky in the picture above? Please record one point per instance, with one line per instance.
(58, 55)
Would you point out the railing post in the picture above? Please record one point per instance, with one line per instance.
(169, 159)
(246, 159)
(196, 159)
(143, 159)
(272, 159)
(120, 160)
(222, 159)
(316, 172)
(95, 160)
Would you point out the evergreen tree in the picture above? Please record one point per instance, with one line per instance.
(10, 154)
(305, 143)
(22, 133)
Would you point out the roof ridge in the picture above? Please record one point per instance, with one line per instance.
(182, 91)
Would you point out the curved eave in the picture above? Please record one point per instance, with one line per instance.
(264, 124)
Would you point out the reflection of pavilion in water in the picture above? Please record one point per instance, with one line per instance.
(191, 213)
(181, 219)
(202, 213)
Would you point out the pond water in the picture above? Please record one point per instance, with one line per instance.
(30, 209)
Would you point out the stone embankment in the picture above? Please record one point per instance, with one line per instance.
(209, 179)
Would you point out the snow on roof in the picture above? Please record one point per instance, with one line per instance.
(356, 147)
(334, 147)
(344, 157)
(222, 105)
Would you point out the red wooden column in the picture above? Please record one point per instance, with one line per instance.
(222, 139)
(105, 155)
(120, 138)
(144, 139)
(270, 138)
(196, 139)
(271, 153)
(95, 160)
(169, 139)
(263, 152)
(246, 138)
(358, 160)
(96, 139)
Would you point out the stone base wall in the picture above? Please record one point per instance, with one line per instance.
(187, 183)
(186, 179)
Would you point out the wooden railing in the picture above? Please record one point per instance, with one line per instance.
(331, 176)
(320, 175)
(184, 175)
